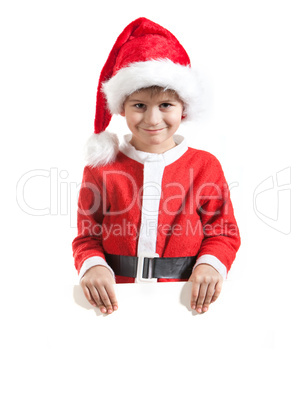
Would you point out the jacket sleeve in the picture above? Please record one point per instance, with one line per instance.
(87, 246)
(221, 233)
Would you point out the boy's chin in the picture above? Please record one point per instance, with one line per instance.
(159, 146)
(154, 143)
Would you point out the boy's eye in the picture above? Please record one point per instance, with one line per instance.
(165, 105)
(139, 105)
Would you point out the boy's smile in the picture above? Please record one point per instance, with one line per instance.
(153, 119)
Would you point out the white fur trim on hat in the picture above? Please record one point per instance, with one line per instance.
(101, 149)
(163, 72)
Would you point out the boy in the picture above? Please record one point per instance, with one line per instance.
(152, 208)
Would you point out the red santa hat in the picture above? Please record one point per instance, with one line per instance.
(144, 54)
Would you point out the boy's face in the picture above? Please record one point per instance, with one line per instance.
(153, 119)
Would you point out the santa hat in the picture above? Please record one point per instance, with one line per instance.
(145, 54)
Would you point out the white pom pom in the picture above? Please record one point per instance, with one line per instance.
(101, 149)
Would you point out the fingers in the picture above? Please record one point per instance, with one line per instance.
(208, 297)
(88, 295)
(202, 297)
(112, 298)
(206, 287)
(194, 296)
(101, 297)
(218, 289)
(99, 291)
(204, 294)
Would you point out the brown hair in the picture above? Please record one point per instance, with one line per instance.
(155, 90)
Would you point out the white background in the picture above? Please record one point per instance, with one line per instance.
(251, 344)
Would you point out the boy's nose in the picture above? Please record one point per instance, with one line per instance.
(152, 116)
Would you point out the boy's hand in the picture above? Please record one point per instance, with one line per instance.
(206, 288)
(97, 284)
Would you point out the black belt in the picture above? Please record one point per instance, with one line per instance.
(172, 268)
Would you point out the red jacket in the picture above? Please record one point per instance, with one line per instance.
(175, 204)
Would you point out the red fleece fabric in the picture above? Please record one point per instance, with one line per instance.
(195, 215)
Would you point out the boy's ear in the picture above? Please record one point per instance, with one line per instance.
(122, 113)
(184, 115)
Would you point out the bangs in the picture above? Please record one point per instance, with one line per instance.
(156, 90)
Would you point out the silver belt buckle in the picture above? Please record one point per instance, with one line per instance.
(139, 274)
